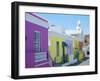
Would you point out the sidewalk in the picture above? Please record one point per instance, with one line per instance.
(76, 63)
(70, 63)
(86, 62)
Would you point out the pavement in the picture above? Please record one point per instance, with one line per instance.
(75, 63)
(69, 63)
(86, 62)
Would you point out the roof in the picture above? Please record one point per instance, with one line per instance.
(32, 18)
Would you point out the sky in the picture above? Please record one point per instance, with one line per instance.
(68, 21)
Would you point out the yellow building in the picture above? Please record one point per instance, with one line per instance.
(55, 46)
(78, 53)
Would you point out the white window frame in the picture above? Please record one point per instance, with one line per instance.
(37, 42)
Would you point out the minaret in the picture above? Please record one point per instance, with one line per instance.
(79, 29)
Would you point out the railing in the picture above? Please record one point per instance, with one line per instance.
(40, 56)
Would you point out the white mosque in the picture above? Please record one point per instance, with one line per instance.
(77, 33)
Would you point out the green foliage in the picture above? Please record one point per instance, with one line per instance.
(81, 56)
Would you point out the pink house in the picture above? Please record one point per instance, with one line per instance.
(36, 41)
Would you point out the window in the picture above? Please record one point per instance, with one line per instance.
(37, 41)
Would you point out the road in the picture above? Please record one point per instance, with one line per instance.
(86, 62)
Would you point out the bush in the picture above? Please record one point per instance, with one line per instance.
(76, 53)
(81, 56)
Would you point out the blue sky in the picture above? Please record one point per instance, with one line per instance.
(68, 21)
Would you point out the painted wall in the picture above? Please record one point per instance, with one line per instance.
(78, 53)
(30, 28)
(69, 49)
(55, 37)
(75, 43)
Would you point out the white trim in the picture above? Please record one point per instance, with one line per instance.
(42, 64)
(35, 20)
(37, 42)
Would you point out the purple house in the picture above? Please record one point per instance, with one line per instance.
(36, 41)
(69, 47)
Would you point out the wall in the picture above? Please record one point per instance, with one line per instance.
(30, 54)
(5, 41)
(56, 37)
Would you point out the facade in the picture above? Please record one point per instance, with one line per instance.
(55, 46)
(61, 46)
(78, 39)
(86, 40)
(77, 49)
(36, 41)
(86, 47)
(69, 48)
